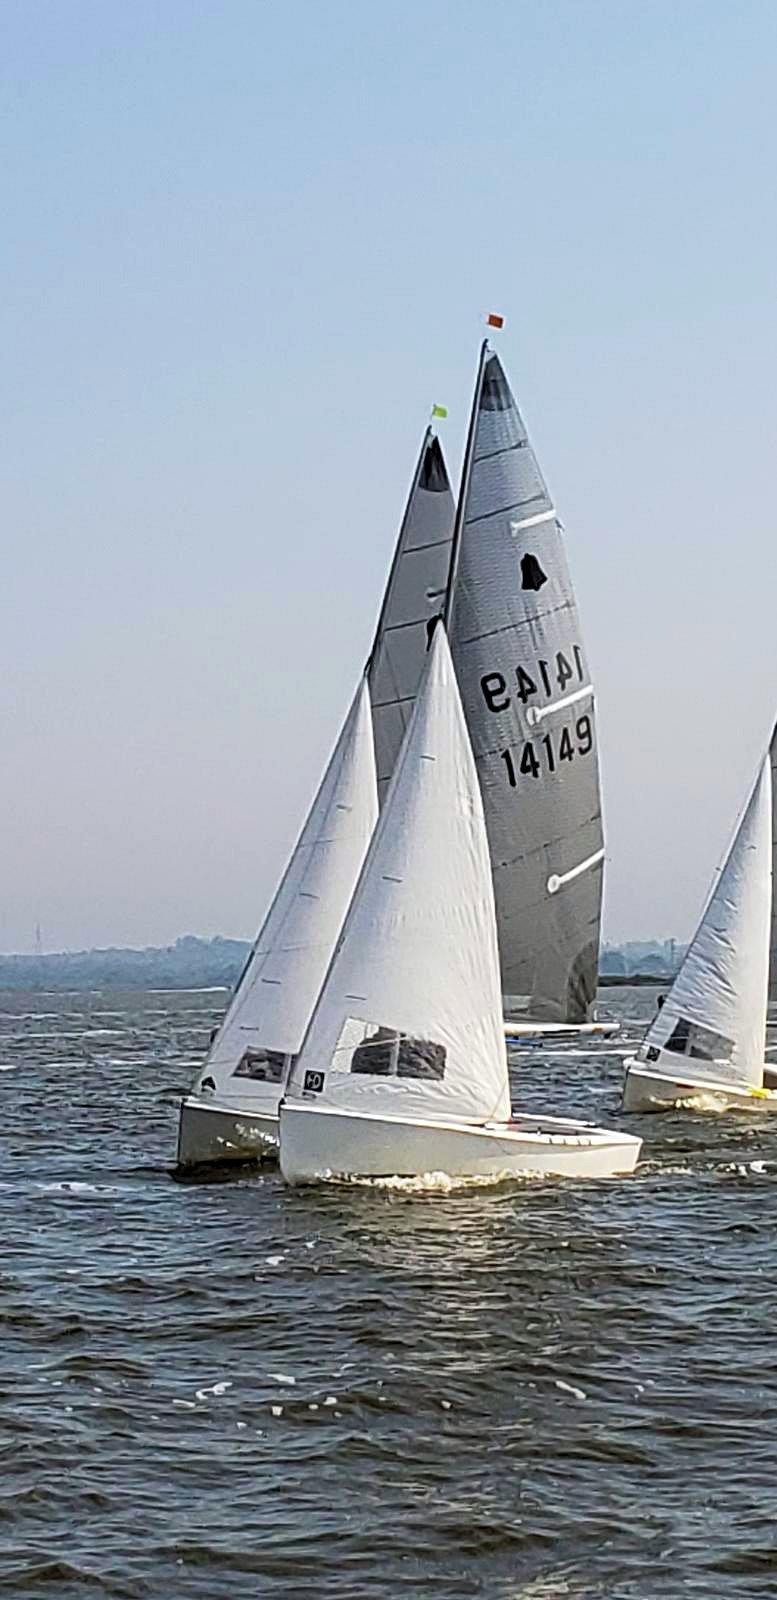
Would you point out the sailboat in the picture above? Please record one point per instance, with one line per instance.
(231, 1113)
(403, 1070)
(707, 1041)
(529, 704)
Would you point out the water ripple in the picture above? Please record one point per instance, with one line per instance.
(525, 1391)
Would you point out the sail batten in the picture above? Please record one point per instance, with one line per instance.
(530, 707)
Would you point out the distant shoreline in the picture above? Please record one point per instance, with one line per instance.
(190, 963)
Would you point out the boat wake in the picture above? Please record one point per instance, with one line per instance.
(432, 1182)
(702, 1101)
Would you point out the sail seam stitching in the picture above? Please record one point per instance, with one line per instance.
(505, 450)
(502, 511)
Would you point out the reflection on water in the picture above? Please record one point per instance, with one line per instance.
(232, 1390)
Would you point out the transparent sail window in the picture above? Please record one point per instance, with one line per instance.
(370, 1049)
(703, 1044)
(265, 1066)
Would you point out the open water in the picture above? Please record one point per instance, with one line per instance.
(539, 1391)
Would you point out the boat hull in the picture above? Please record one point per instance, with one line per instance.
(318, 1143)
(211, 1134)
(559, 1030)
(645, 1089)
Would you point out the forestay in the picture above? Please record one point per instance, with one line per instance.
(409, 1021)
(271, 1008)
(529, 703)
(714, 1017)
(414, 597)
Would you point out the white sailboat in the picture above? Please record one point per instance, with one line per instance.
(403, 1070)
(231, 1112)
(707, 1042)
(529, 704)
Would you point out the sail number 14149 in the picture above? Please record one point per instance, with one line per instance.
(559, 671)
(545, 754)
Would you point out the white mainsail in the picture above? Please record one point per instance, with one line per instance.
(713, 1021)
(409, 1020)
(529, 704)
(773, 934)
(414, 597)
(270, 1010)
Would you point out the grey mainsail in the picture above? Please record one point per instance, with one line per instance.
(414, 597)
(529, 704)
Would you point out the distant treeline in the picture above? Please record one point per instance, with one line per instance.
(193, 963)
(188, 964)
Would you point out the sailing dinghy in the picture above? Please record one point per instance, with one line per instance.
(403, 1070)
(707, 1043)
(529, 703)
(231, 1113)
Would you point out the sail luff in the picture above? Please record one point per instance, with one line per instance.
(466, 468)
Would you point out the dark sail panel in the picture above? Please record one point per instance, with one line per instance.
(414, 597)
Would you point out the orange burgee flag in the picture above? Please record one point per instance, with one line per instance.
(494, 321)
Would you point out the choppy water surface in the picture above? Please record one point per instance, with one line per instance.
(232, 1390)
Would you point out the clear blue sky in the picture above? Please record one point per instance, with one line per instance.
(245, 246)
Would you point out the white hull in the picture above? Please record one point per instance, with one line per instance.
(319, 1143)
(558, 1030)
(645, 1089)
(210, 1133)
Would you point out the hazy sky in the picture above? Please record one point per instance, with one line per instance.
(245, 246)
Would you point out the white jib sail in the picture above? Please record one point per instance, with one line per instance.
(409, 1021)
(271, 1008)
(415, 596)
(713, 1022)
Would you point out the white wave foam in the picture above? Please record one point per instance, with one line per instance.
(702, 1101)
(432, 1182)
(569, 1388)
